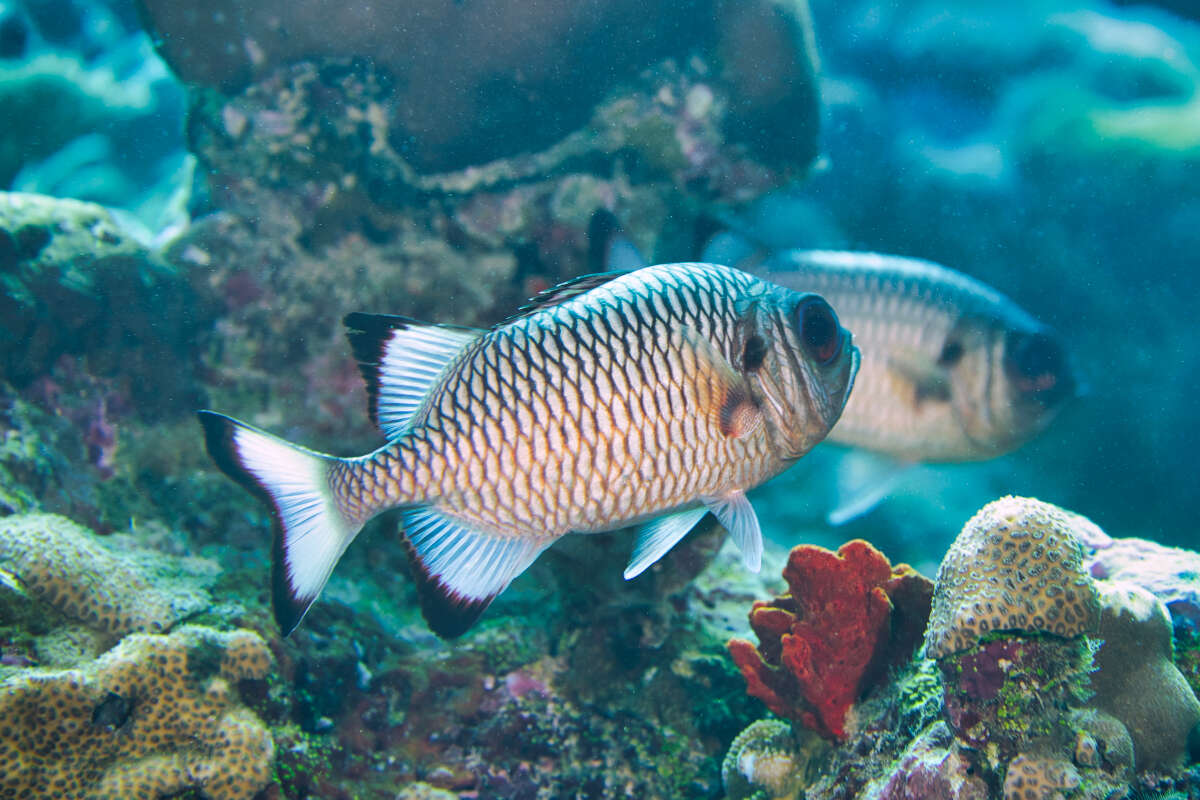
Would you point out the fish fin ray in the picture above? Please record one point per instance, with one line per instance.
(864, 480)
(734, 411)
(461, 570)
(401, 359)
(609, 248)
(310, 533)
(564, 292)
(736, 514)
(656, 538)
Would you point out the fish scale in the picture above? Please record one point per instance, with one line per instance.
(613, 400)
(672, 386)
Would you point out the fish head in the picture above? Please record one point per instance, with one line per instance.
(1039, 378)
(805, 370)
(1007, 382)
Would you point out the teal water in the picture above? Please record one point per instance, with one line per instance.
(249, 173)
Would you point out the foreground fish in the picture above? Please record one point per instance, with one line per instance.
(649, 396)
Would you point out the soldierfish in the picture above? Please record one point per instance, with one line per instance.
(952, 370)
(649, 397)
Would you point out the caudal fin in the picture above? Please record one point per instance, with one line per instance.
(310, 533)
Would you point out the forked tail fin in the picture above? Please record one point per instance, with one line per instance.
(310, 532)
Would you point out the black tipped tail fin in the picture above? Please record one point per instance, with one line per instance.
(310, 532)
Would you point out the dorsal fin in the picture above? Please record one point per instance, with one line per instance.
(400, 359)
(565, 291)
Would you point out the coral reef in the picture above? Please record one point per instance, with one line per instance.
(1136, 680)
(75, 283)
(1062, 698)
(1039, 778)
(766, 761)
(155, 716)
(93, 113)
(465, 81)
(1171, 574)
(846, 616)
(1016, 566)
(314, 213)
(106, 587)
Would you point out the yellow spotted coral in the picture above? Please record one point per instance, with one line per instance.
(153, 717)
(1016, 566)
(1039, 778)
(67, 567)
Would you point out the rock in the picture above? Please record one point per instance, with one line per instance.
(1136, 680)
(470, 84)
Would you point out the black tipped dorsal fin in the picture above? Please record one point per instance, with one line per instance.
(401, 359)
(460, 570)
(567, 290)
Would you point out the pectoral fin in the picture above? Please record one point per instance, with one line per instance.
(737, 515)
(732, 408)
(930, 380)
(657, 537)
(864, 480)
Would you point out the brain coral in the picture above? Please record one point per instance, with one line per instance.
(1016, 565)
(76, 572)
(155, 716)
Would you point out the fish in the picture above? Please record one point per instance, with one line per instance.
(952, 370)
(645, 397)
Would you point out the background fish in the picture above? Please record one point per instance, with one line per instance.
(660, 393)
(952, 370)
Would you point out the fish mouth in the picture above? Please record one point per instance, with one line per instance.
(1039, 367)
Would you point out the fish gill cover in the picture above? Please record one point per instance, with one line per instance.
(1004, 193)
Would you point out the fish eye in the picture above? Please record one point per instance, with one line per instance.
(1037, 363)
(952, 353)
(820, 333)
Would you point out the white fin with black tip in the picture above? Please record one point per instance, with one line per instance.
(656, 538)
(460, 570)
(310, 533)
(401, 359)
(864, 480)
(737, 515)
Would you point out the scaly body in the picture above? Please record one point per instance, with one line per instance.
(615, 400)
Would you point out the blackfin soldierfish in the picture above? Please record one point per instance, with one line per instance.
(952, 370)
(649, 397)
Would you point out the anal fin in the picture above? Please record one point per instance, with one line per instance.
(461, 570)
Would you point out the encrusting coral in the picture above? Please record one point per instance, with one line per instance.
(153, 717)
(1039, 778)
(67, 567)
(1015, 566)
(845, 617)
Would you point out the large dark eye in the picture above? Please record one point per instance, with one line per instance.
(1037, 363)
(819, 330)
